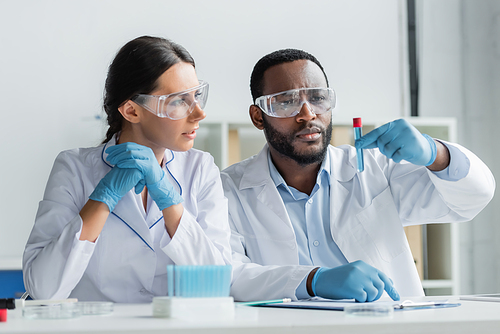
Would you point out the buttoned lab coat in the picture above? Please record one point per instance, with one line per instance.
(367, 213)
(128, 261)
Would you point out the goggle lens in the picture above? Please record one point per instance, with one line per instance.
(177, 105)
(289, 103)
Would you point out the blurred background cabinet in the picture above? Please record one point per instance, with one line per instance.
(434, 246)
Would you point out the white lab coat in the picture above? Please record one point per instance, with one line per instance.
(128, 261)
(368, 211)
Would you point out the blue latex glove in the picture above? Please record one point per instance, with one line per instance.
(134, 156)
(356, 280)
(115, 184)
(399, 140)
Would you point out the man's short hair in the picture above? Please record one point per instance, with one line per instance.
(277, 58)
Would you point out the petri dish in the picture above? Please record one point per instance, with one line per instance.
(55, 311)
(369, 310)
(96, 308)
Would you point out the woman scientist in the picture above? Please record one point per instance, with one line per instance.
(114, 216)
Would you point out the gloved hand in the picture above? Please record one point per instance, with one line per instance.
(134, 156)
(356, 280)
(114, 185)
(399, 140)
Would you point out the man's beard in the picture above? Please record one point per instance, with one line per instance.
(283, 144)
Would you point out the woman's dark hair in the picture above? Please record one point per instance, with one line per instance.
(273, 59)
(135, 70)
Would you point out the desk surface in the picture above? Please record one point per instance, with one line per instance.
(470, 317)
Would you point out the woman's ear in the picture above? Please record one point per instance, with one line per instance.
(256, 116)
(129, 112)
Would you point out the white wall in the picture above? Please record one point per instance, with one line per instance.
(54, 56)
(460, 77)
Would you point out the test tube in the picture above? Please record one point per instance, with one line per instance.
(358, 132)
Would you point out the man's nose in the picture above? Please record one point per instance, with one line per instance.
(305, 113)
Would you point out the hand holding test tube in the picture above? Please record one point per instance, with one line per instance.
(358, 133)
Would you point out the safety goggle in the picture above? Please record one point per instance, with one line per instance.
(176, 105)
(289, 103)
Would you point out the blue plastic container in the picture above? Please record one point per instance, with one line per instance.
(198, 281)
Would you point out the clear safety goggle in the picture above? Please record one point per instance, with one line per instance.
(289, 103)
(176, 105)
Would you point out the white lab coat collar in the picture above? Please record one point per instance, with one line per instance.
(342, 168)
(257, 171)
(104, 155)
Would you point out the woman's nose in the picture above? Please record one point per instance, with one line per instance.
(197, 114)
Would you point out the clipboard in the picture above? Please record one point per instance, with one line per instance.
(340, 305)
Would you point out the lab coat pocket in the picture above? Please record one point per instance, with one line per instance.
(382, 224)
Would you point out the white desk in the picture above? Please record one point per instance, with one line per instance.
(471, 317)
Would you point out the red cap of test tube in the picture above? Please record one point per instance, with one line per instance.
(356, 122)
(3, 315)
